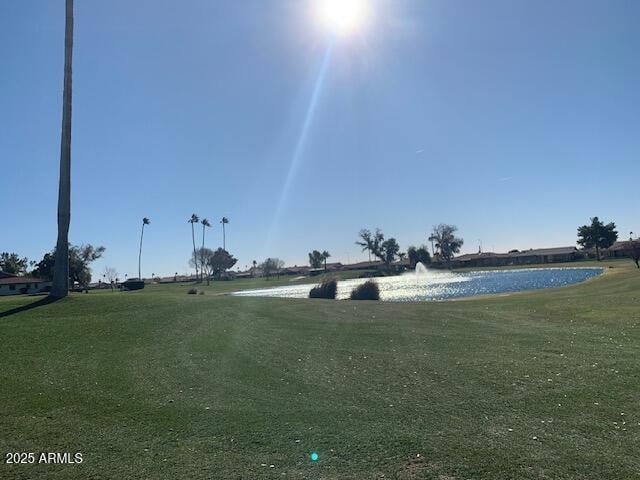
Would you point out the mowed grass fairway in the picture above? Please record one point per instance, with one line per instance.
(160, 384)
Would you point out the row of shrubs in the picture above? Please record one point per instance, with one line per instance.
(329, 288)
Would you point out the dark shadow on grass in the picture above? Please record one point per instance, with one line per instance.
(39, 303)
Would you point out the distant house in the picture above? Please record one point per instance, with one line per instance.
(547, 255)
(364, 265)
(16, 285)
(482, 259)
(526, 257)
(244, 275)
(620, 249)
(295, 270)
(316, 271)
(331, 267)
(173, 279)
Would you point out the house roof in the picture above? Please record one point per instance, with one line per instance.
(302, 268)
(474, 256)
(5, 274)
(364, 264)
(524, 253)
(334, 264)
(546, 251)
(623, 244)
(17, 280)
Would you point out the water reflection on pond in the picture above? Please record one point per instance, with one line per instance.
(439, 285)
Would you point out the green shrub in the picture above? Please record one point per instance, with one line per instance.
(327, 289)
(367, 291)
(193, 291)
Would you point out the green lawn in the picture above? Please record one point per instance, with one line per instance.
(161, 384)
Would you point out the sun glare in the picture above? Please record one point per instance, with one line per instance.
(342, 16)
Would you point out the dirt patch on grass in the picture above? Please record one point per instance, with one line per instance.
(420, 467)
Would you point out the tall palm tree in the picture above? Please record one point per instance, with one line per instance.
(224, 221)
(60, 287)
(145, 221)
(205, 223)
(325, 255)
(194, 219)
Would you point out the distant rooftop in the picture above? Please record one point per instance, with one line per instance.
(546, 251)
(13, 280)
(522, 253)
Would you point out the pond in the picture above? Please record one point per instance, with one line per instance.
(439, 285)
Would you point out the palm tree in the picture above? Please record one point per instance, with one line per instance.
(446, 243)
(325, 255)
(145, 221)
(224, 221)
(194, 219)
(367, 241)
(60, 286)
(205, 223)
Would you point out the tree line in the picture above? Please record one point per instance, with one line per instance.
(317, 258)
(79, 261)
(214, 263)
(444, 242)
(209, 263)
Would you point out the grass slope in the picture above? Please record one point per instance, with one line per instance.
(161, 384)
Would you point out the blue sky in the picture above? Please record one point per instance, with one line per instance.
(514, 120)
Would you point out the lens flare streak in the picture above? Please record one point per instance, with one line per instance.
(302, 140)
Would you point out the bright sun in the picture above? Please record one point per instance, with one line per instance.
(342, 16)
